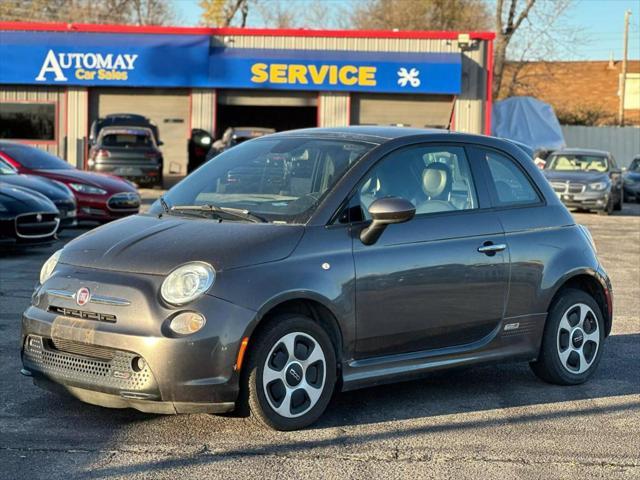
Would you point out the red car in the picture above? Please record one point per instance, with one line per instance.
(100, 197)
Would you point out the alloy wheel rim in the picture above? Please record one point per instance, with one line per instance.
(578, 338)
(294, 374)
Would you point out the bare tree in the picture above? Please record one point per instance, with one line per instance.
(140, 12)
(224, 13)
(528, 34)
(315, 14)
(421, 15)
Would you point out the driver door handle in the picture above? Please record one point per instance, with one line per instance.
(489, 248)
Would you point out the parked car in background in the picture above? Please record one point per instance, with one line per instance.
(99, 197)
(26, 217)
(128, 152)
(308, 261)
(57, 192)
(203, 148)
(585, 179)
(631, 179)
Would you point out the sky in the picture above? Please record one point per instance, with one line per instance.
(599, 24)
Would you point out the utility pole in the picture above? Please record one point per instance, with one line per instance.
(623, 82)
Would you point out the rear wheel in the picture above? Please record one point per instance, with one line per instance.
(291, 373)
(572, 341)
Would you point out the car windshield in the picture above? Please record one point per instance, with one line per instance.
(635, 165)
(127, 139)
(278, 179)
(34, 158)
(577, 163)
(6, 169)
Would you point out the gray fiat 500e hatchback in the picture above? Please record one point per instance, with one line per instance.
(306, 262)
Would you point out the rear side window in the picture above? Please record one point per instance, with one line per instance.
(512, 187)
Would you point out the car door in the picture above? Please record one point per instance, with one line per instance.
(439, 280)
(532, 229)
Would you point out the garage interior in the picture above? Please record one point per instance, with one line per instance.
(278, 110)
(167, 108)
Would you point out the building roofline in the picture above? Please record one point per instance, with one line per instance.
(266, 32)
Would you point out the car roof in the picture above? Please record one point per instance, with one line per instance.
(583, 151)
(377, 134)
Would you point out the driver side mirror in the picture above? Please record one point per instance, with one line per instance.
(386, 211)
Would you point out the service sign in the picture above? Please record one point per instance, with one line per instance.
(381, 72)
(75, 58)
(144, 60)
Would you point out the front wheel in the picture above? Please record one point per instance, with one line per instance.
(291, 373)
(572, 341)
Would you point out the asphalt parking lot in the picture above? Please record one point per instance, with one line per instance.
(489, 422)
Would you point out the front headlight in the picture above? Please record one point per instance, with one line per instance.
(188, 282)
(84, 188)
(598, 186)
(49, 266)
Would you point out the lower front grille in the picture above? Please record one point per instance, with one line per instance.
(37, 225)
(85, 349)
(124, 371)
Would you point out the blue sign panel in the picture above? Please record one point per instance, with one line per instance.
(57, 58)
(336, 70)
(143, 60)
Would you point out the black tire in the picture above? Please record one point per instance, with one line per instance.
(254, 395)
(549, 366)
(618, 206)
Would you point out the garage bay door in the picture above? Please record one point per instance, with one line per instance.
(169, 109)
(408, 110)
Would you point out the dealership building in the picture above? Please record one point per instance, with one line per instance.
(55, 79)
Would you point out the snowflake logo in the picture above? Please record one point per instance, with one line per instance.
(409, 77)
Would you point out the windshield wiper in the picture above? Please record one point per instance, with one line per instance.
(165, 205)
(234, 212)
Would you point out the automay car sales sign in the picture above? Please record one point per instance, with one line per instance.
(143, 60)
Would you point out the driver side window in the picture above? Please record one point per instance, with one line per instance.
(433, 178)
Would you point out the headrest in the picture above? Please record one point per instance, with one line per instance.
(434, 179)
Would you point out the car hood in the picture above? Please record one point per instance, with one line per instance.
(107, 182)
(584, 177)
(635, 176)
(40, 184)
(152, 245)
(19, 199)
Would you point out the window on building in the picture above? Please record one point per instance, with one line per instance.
(28, 121)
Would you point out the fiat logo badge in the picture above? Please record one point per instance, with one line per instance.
(83, 295)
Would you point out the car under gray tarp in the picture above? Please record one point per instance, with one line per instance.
(529, 121)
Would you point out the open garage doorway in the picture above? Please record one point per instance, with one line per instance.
(277, 110)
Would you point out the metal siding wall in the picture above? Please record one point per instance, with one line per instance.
(333, 109)
(470, 104)
(203, 109)
(622, 142)
(56, 95)
(78, 125)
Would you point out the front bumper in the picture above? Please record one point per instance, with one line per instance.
(94, 352)
(587, 200)
(632, 189)
(96, 207)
